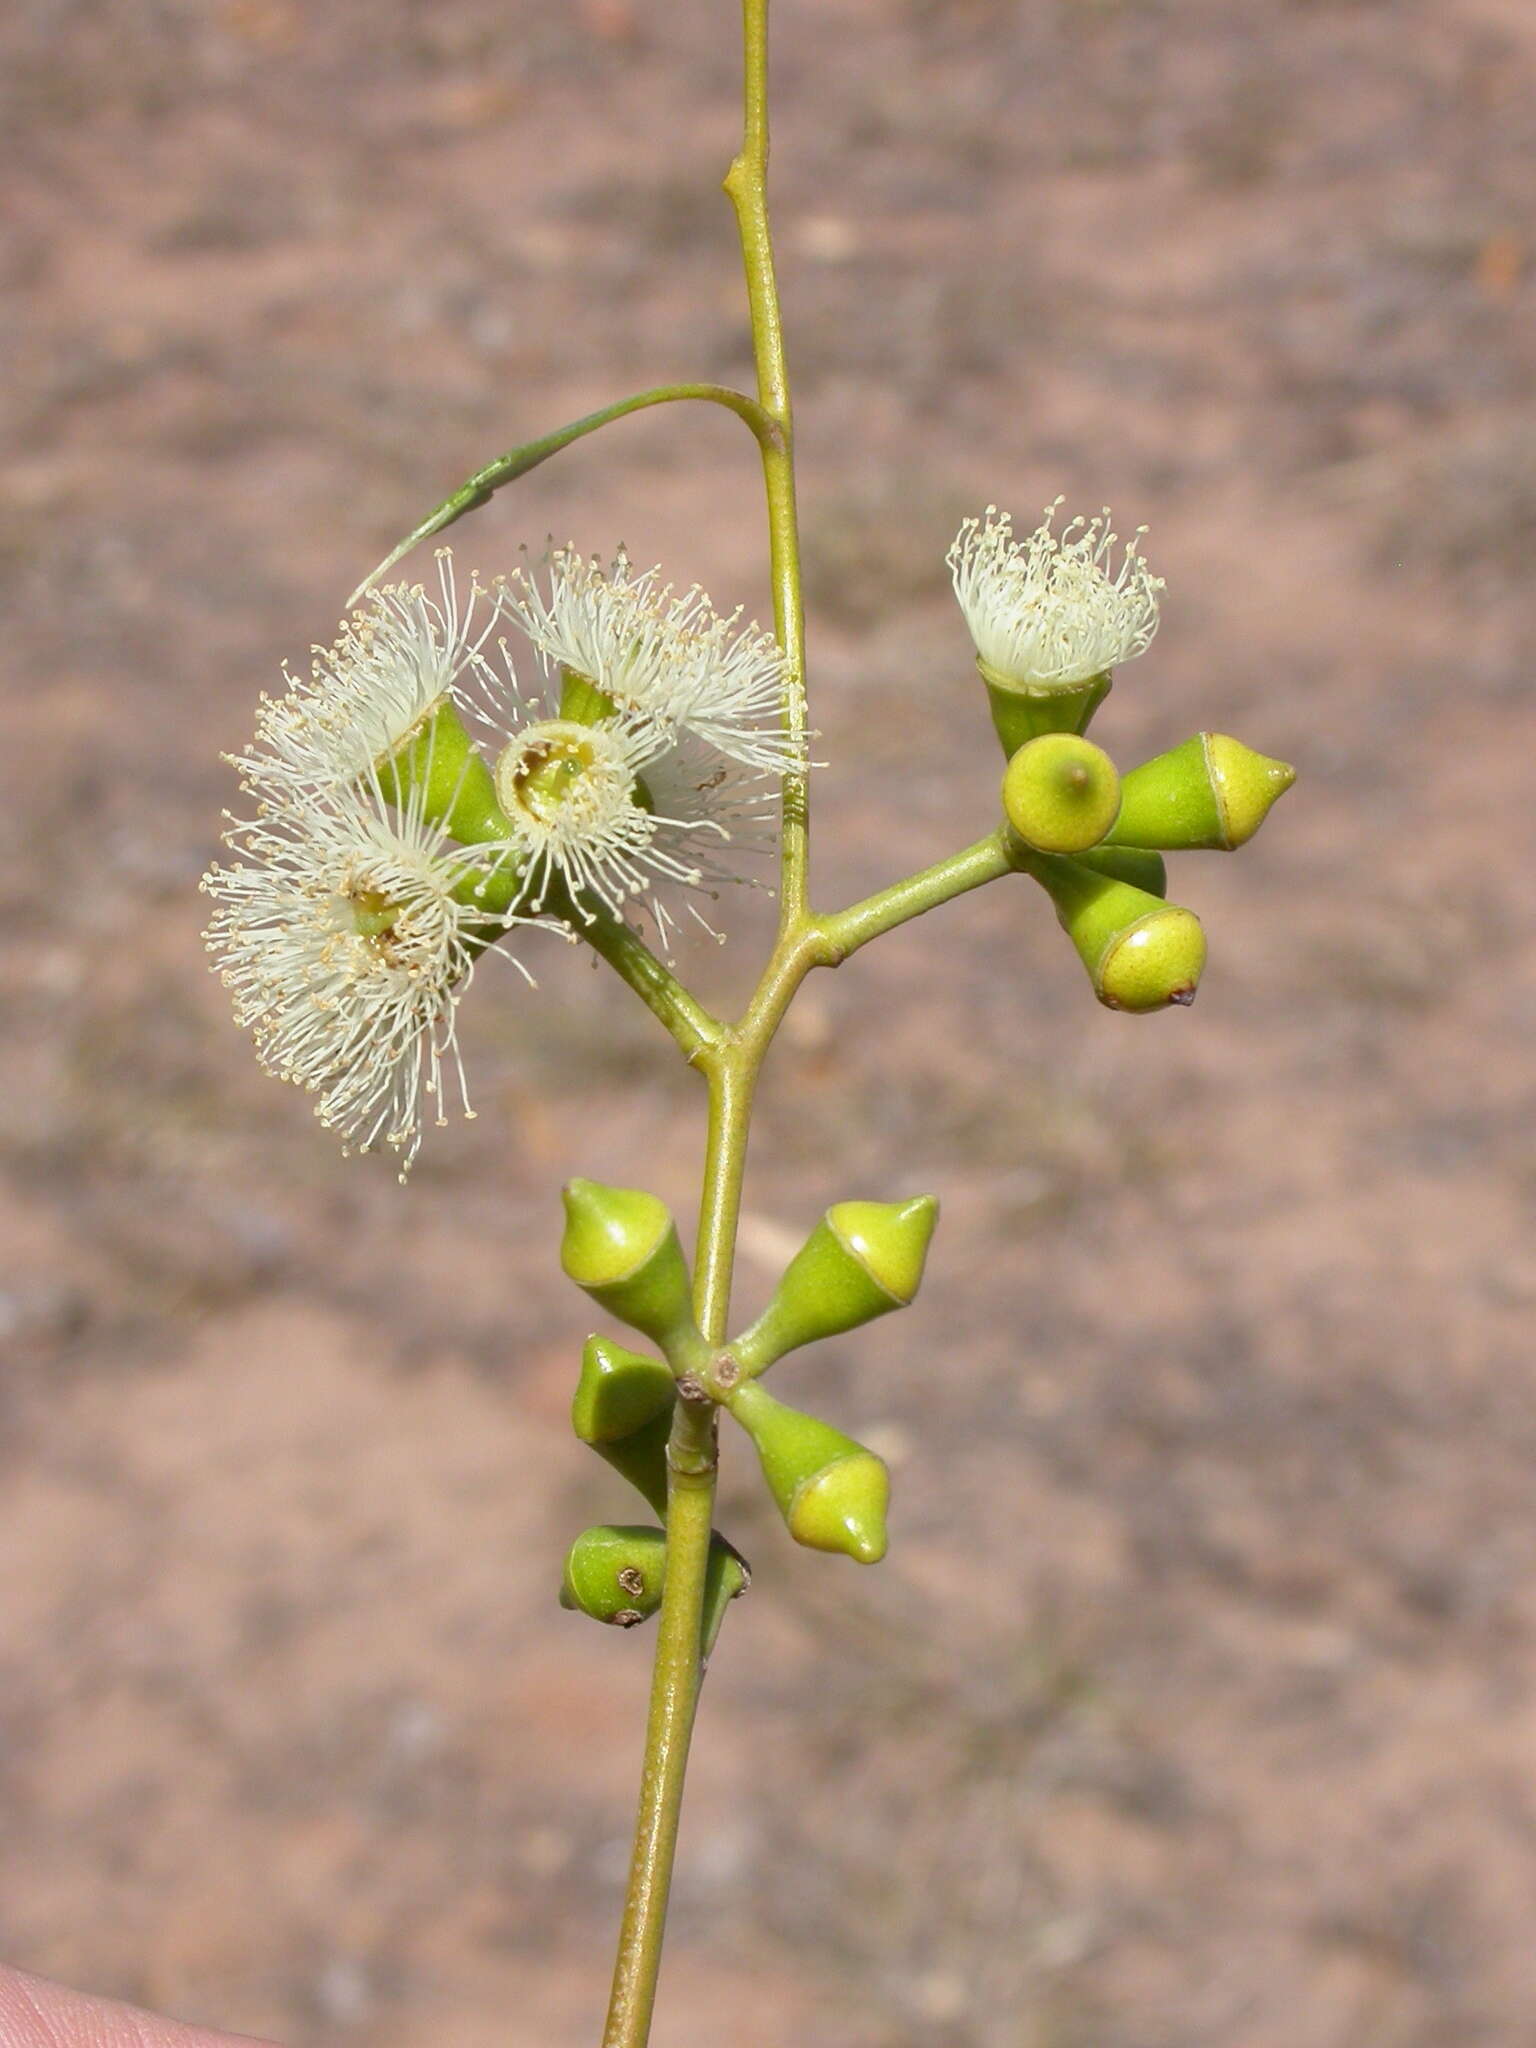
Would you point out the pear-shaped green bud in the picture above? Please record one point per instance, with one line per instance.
(621, 1245)
(619, 1392)
(1023, 711)
(1138, 865)
(831, 1491)
(1061, 793)
(862, 1260)
(617, 1573)
(623, 1409)
(439, 769)
(1141, 953)
(1210, 792)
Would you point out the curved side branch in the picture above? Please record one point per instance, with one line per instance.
(482, 486)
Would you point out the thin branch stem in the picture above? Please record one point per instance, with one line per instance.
(843, 932)
(482, 486)
(675, 1685)
(746, 185)
(679, 1669)
(684, 1016)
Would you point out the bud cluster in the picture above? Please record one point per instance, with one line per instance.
(862, 1260)
(387, 852)
(1051, 617)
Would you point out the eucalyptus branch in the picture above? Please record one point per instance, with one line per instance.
(388, 857)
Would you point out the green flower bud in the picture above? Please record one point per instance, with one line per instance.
(439, 767)
(497, 890)
(831, 1491)
(862, 1260)
(623, 1409)
(1141, 953)
(1210, 792)
(581, 701)
(615, 1574)
(621, 1245)
(729, 1577)
(1061, 793)
(1138, 865)
(1023, 711)
(619, 1392)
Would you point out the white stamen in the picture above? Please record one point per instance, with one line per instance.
(1052, 609)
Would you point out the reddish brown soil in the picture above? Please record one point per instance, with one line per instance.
(1196, 1705)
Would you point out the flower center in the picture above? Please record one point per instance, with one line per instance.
(372, 912)
(558, 768)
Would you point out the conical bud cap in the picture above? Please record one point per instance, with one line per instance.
(862, 1260)
(621, 1245)
(1061, 793)
(1141, 953)
(623, 1409)
(1211, 792)
(831, 1491)
(619, 1392)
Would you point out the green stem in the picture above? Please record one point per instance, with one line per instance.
(844, 931)
(746, 185)
(730, 1062)
(669, 1728)
(678, 1674)
(684, 1016)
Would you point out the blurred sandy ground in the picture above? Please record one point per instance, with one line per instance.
(1194, 1708)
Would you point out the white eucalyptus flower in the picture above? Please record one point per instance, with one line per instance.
(614, 808)
(1052, 610)
(660, 655)
(394, 664)
(348, 935)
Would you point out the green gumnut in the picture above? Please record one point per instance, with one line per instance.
(615, 1573)
(439, 769)
(1211, 792)
(862, 1260)
(1061, 793)
(831, 1491)
(623, 1408)
(1141, 953)
(621, 1245)
(1023, 711)
(1138, 865)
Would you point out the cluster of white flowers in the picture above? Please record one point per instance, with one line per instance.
(1052, 610)
(349, 930)
(644, 762)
